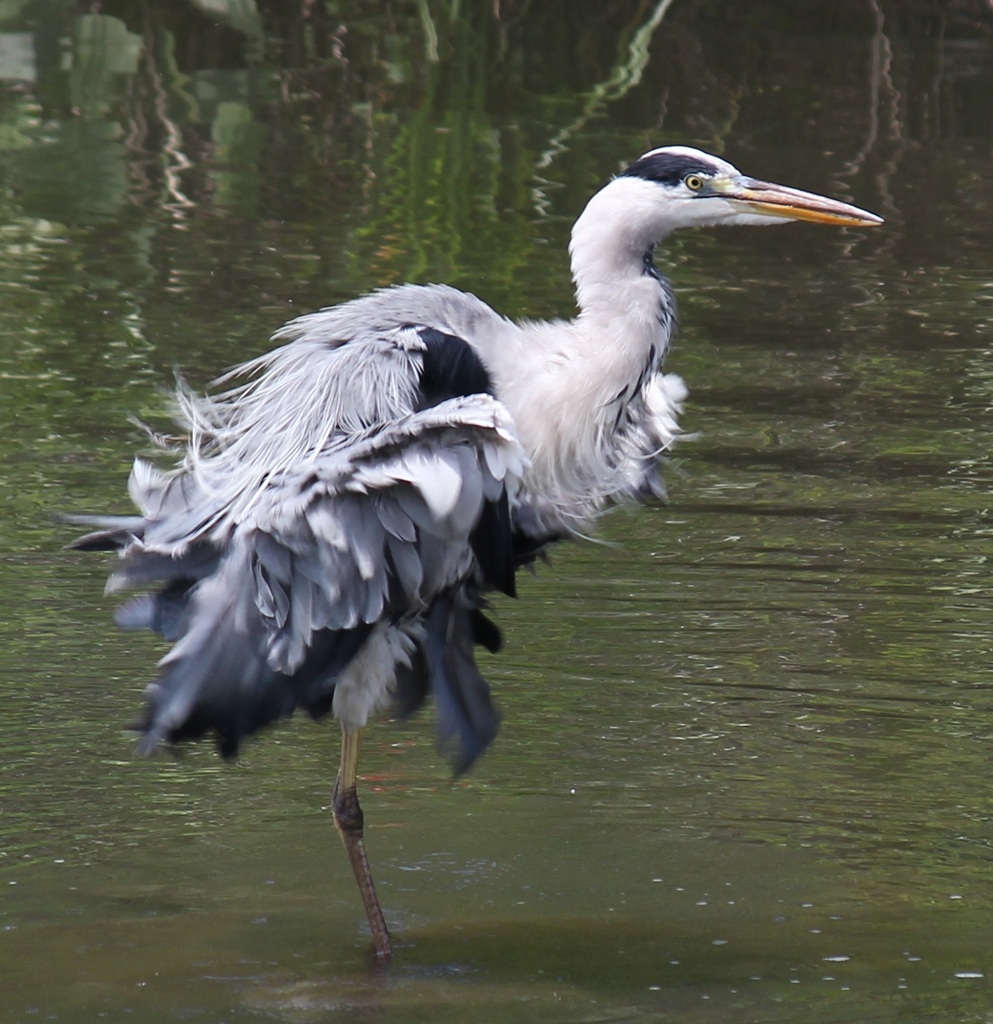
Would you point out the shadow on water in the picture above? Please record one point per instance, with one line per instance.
(743, 769)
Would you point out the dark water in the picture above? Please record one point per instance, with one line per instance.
(744, 768)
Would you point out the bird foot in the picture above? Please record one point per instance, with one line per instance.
(349, 820)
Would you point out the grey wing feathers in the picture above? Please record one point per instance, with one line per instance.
(439, 306)
(268, 611)
(320, 512)
(379, 529)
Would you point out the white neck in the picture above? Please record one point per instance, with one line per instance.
(617, 289)
(576, 376)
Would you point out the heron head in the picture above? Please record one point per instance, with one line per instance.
(694, 188)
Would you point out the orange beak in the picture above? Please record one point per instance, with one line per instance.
(780, 201)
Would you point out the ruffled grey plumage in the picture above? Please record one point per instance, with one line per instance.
(344, 501)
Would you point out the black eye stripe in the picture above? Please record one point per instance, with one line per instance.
(667, 168)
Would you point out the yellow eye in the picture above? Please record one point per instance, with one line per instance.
(693, 182)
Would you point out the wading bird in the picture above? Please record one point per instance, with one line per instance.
(338, 516)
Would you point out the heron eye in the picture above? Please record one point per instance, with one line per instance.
(693, 182)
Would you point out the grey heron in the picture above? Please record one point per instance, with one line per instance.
(344, 505)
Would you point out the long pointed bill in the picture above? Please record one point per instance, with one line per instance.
(780, 201)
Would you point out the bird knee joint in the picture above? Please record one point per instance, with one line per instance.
(348, 815)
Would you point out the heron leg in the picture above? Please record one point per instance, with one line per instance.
(348, 820)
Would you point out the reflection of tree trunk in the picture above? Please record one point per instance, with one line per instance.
(153, 138)
(347, 91)
(884, 103)
(176, 161)
(625, 75)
